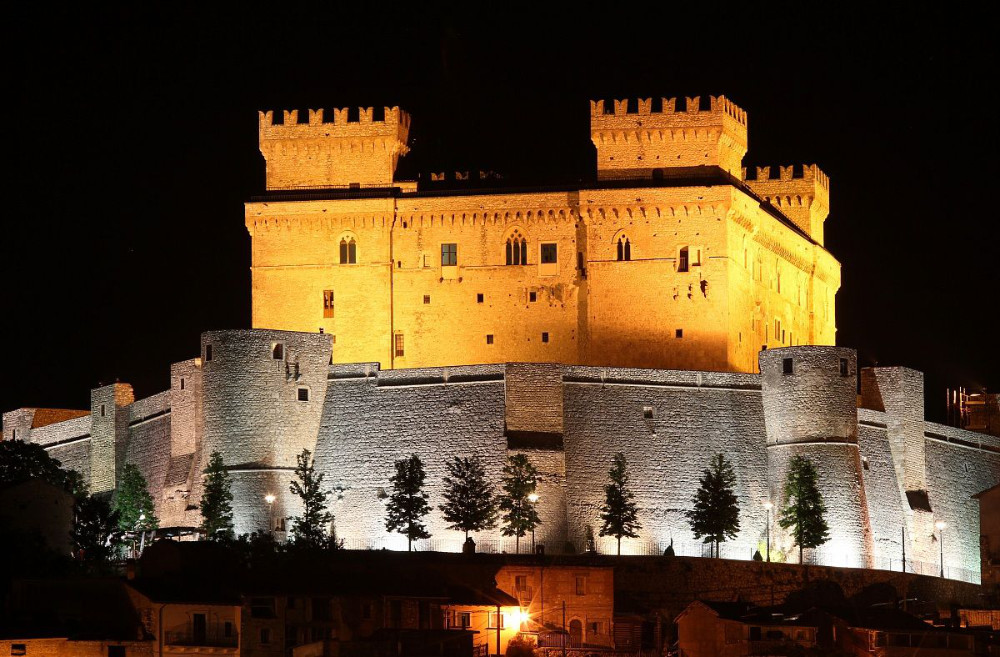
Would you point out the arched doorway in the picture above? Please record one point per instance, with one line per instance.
(575, 633)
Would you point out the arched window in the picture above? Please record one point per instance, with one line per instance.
(348, 251)
(624, 250)
(516, 249)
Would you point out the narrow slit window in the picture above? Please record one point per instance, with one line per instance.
(843, 367)
(398, 344)
(328, 304)
(208, 352)
(545, 337)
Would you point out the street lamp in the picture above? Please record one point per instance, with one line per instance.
(767, 529)
(269, 498)
(533, 498)
(940, 527)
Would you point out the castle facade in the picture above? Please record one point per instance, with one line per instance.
(671, 310)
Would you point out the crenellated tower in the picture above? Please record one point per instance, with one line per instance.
(802, 196)
(633, 141)
(338, 153)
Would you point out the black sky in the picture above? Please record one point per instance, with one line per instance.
(131, 144)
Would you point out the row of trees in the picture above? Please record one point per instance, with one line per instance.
(472, 503)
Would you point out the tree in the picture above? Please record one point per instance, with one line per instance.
(470, 504)
(96, 533)
(310, 529)
(804, 508)
(408, 503)
(619, 512)
(20, 461)
(716, 513)
(217, 501)
(134, 505)
(520, 479)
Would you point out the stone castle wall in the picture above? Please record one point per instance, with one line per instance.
(569, 421)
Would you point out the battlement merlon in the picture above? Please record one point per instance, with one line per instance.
(637, 143)
(318, 153)
(801, 195)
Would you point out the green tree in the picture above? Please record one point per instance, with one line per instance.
(20, 460)
(619, 512)
(716, 513)
(96, 533)
(310, 529)
(470, 504)
(134, 505)
(520, 479)
(804, 508)
(408, 503)
(217, 501)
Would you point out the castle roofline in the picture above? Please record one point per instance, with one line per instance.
(700, 176)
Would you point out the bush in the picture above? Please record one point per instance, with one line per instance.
(520, 647)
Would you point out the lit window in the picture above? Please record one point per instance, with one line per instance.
(449, 255)
(682, 259)
(328, 304)
(624, 251)
(303, 394)
(399, 345)
(278, 351)
(549, 254)
(516, 250)
(348, 251)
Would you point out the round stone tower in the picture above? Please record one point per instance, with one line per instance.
(810, 410)
(263, 401)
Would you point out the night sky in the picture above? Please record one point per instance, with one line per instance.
(131, 145)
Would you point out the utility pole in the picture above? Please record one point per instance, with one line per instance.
(565, 636)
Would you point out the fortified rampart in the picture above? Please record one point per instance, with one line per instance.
(260, 397)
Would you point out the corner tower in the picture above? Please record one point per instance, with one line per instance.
(803, 197)
(337, 153)
(642, 143)
(810, 410)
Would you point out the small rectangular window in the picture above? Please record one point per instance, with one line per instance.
(208, 352)
(399, 345)
(581, 585)
(843, 367)
(682, 259)
(449, 255)
(679, 333)
(549, 254)
(327, 304)
(479, 298)
(489, 338)
(545, 337)
(303, 394)
(495, 621)
(786, 366)
(278, 351)
(647, 412)
(116, 651)
(864, 462)
(466, 619)
(427, 299)
(532, 297)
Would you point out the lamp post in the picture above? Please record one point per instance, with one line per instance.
(533, 498)
(269, 498)
(767, 529)
(940, 527)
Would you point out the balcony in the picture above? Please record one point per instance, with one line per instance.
(212, 636)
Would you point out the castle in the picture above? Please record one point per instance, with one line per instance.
(672, 309)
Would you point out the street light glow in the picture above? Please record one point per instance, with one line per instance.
(269, 498)
(533, 498)
(940, 525)
(768, 506)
